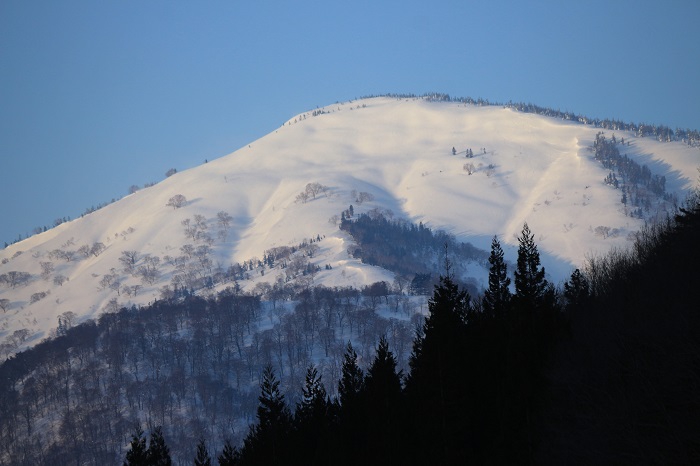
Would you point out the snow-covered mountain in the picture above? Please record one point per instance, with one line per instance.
(406, 156)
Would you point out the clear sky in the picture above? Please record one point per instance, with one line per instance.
(96, 96)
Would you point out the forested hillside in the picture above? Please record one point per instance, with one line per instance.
(605, 373)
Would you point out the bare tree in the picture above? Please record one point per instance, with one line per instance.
(15, 278)
(4, 304)
(170, 172)
(224, 221)
(363, 196)
(61, 254)
(68, 318)
(177, 201)
(190, 230)
(133, 188)
(469, 168)
(149, 271)
(188, 250)
(59, 279)
(97, 249)
(602, 231)
(200, 222)
(129, 260)
(38, 296)
(46, 269)
(84, 250)
(314, 188)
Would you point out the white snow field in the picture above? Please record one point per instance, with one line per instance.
(527, 168)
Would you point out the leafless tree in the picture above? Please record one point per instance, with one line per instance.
(84, 250)
(46, 269)
(97, 249)
(224, 220)
(68, 318)
(15, 278)
(149, 271)
(602, 231)
(129, 260)
(61, 254)
(59, 279)
(200, 222)
(363, 196)
(170, 172)
(38, 296)
(469, 168)
(4, 304)
(177, 201)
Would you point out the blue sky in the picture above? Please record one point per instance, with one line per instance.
(98, 96)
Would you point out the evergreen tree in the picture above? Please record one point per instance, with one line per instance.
(158, 452)
(352, 379)
(437, 384)
(383, 383)
(382, 403)
(576, 290)
(313, 420)
(497, 296)
(314, 404)
(230, 456)
(137, 454)
(352, 413)
(531, 287)
(202, 458)
(265, 443)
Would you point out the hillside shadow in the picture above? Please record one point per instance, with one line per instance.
(675, 180)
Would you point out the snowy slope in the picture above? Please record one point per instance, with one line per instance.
(399, 151)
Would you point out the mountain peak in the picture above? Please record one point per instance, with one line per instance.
(473, 171)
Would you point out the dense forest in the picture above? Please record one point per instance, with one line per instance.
(409, 250)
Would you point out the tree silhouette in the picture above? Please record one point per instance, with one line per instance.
(158, 452)
(137, 455)
(530, 284)
(497, 297)
(202, 458)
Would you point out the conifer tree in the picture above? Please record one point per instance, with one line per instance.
(530, 284)
(437, 382)
(497, 296)
(352, 379)
(313, 406)
(230, 456)
(383, 383)
(265, 442)
(576, 290)
(137, 454)
(313, 420)
(158, 452)
(383, 402)
(202, 458)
